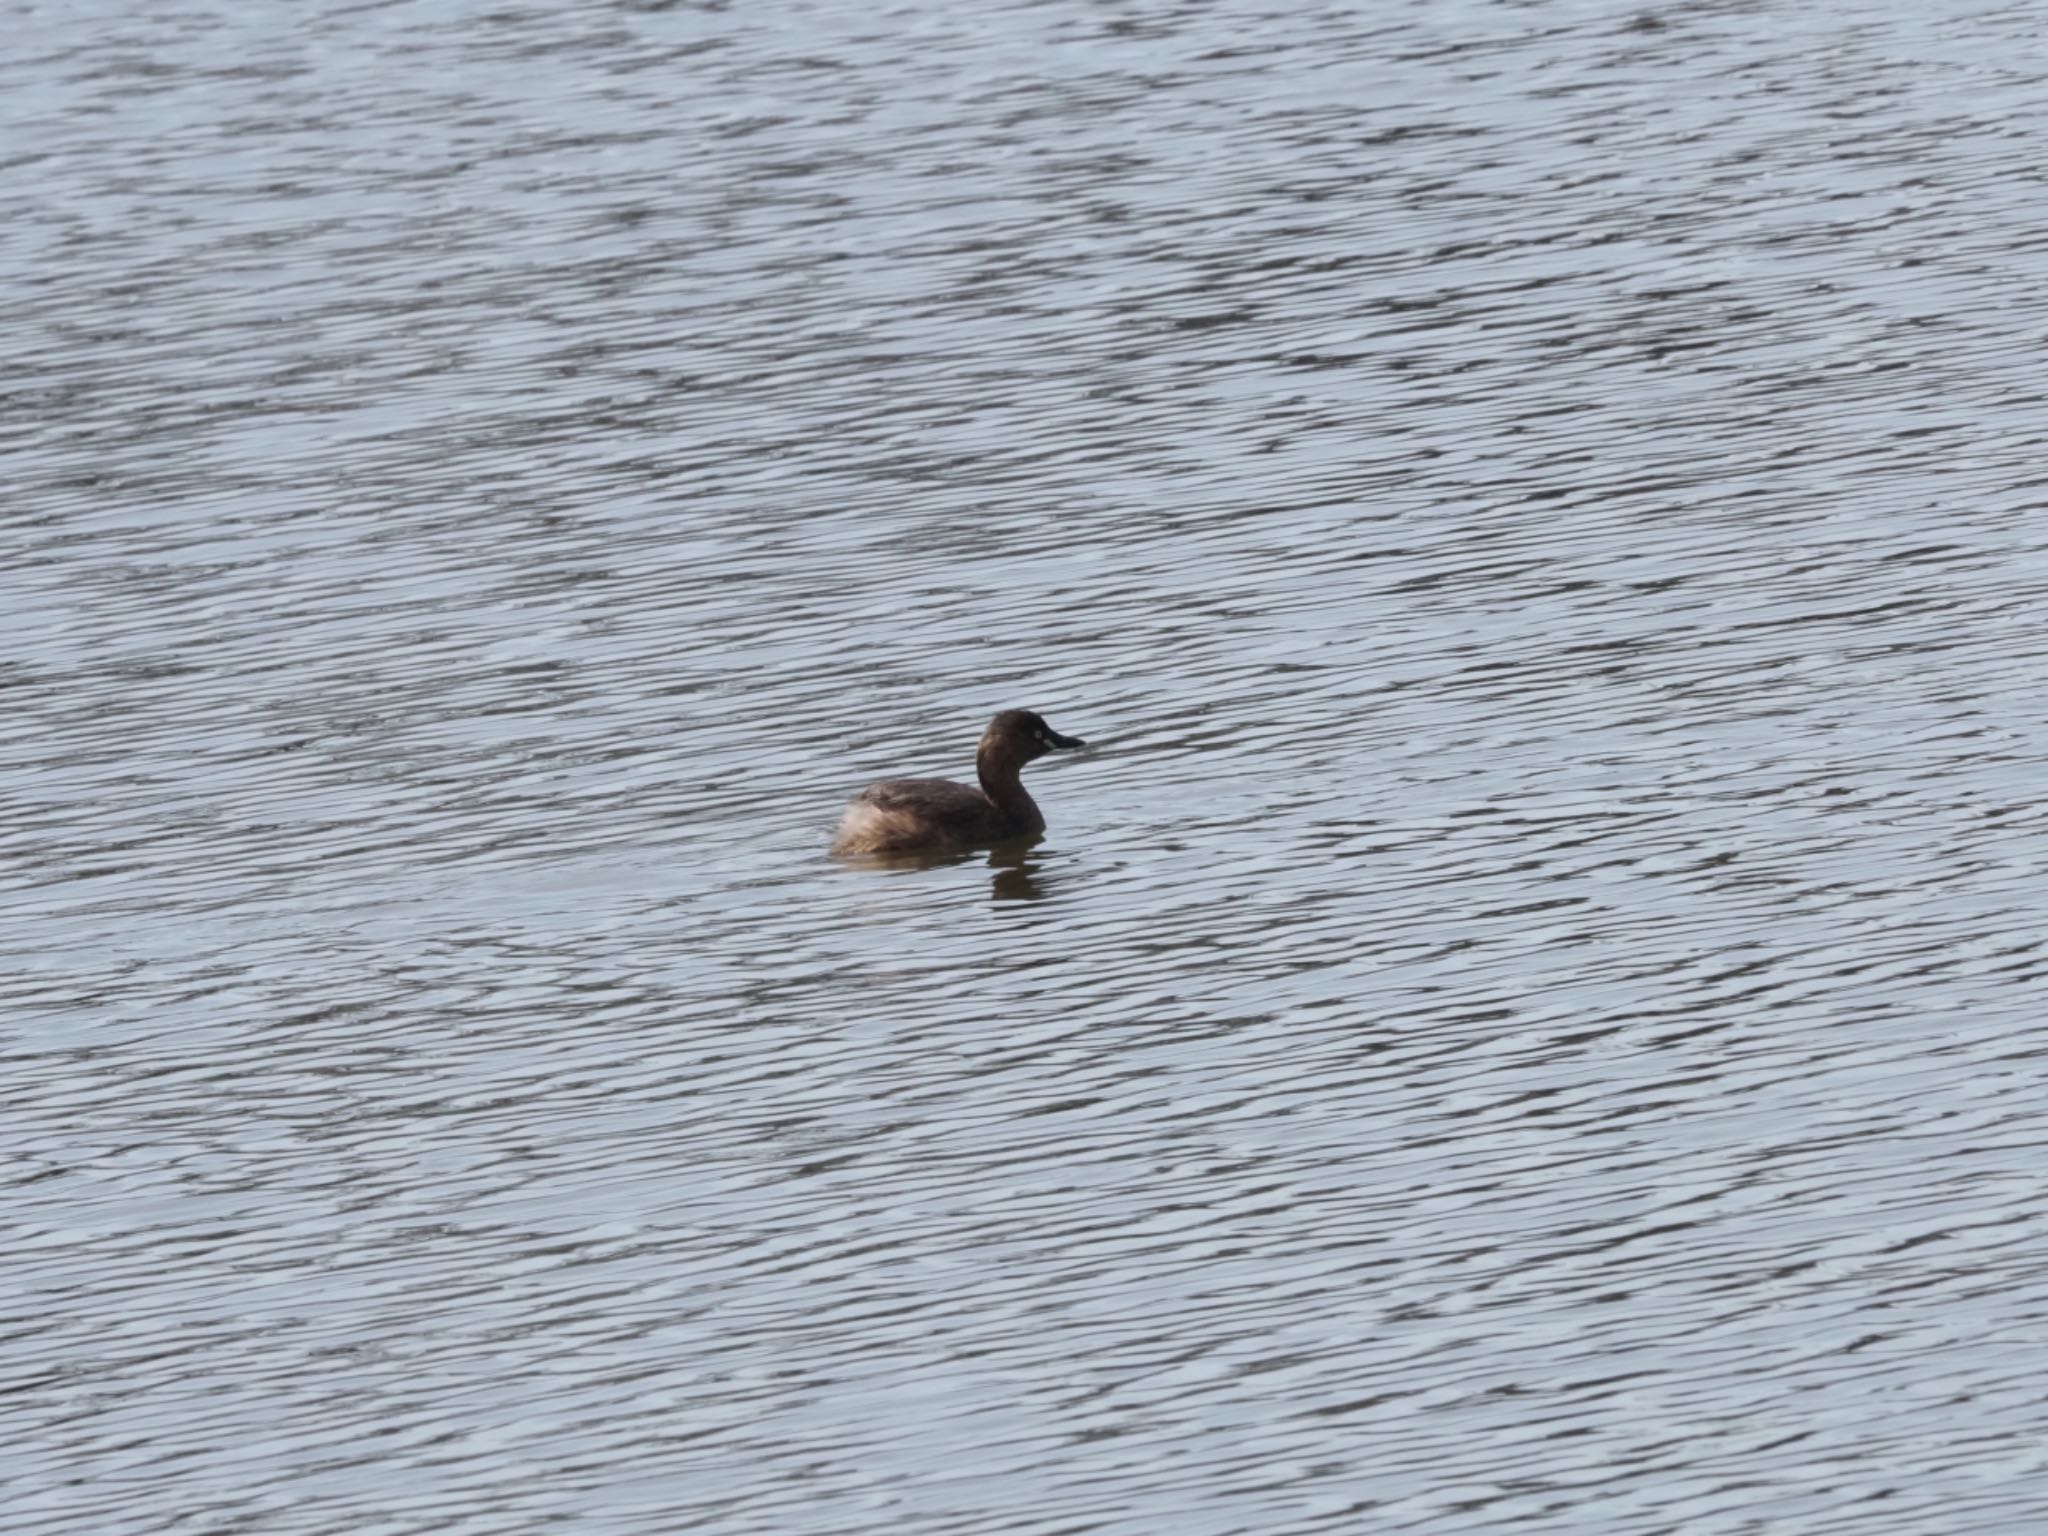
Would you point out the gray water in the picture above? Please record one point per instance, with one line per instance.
(1529, 1013)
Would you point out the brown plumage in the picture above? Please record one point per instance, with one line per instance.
(920, 815)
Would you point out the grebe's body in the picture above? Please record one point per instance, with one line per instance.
(925, 815)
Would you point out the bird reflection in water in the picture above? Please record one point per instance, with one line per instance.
(1018, 874)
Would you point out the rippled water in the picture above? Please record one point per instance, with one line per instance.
(1529, 1013)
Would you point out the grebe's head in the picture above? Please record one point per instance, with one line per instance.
(1021, 735)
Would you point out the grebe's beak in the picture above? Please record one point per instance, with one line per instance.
(1055, 740)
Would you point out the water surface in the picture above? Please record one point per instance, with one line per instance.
(1528, 1014)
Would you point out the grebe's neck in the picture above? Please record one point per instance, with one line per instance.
(1001, 778)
